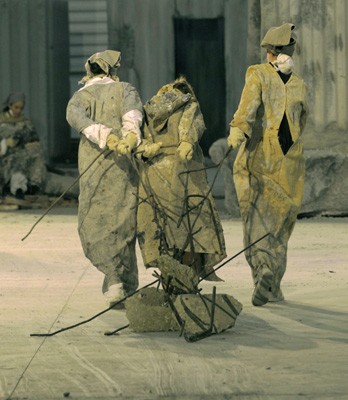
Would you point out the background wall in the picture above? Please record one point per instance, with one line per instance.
(144, 32)
(320, 58)
(37, 57)
(34, 40)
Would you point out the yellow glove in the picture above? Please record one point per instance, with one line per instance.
(126, 145)
(32, 145)
(185, 151)
(112, 141)
(152, 150)
(11, 142)
(236, 137)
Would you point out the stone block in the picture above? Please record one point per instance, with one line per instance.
(181, 278)
(147, 311)
(326, 183)
(196, 311)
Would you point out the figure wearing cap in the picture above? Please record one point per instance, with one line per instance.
(269, 168)
(108, 113)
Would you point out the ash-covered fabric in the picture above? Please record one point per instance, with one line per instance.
(108, 190)
(170, 189)
(24, 158)
(269, 184)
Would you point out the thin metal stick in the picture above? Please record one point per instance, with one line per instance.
(65, 191)
(95, 316)
(236, 255)
(115, 331)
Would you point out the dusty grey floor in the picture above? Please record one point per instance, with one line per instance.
(296, 349)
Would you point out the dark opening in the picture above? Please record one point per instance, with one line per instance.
(199, 56)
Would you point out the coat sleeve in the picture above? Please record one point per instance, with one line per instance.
(78, 112)
(191, 125)
(132, 117)
(251, 98)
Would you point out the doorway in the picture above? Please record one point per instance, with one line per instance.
(200, 57)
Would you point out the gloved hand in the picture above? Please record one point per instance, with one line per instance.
(32, 145)
(236, 137)
(11, 142)
(152, 149)
(126, 145)
(112, 141)
(185, 151)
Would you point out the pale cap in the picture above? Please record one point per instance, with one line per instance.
(279, 39)
(108, 61)
(14, 97)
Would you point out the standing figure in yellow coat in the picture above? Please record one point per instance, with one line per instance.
(270, 165)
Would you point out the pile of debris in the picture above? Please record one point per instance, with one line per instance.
(34, 202)
(180, 306)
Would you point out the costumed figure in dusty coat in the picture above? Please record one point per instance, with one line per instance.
(177, 214)
(108, 113)
(22, 162)
(270, 165)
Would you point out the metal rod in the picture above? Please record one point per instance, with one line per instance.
(65, 191)
(95, 316)
(236, 255)
(115, 331)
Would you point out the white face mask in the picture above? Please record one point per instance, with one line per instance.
(284, 63)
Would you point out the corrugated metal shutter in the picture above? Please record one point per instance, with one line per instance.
(88, 34)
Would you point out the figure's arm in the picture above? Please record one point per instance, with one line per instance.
(245, 116)
(77, 115)
(191, 129)
(78, 111)
(191, 125)
(29, 135)
(132, 120)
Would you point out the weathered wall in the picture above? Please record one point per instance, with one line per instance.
(34, 59)
(144, 33)
(321, 59)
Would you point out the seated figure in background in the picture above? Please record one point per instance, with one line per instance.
(22, 162)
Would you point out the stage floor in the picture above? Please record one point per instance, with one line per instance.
(296, 349)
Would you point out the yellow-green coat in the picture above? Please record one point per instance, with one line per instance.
(168, 189)
(269, 184)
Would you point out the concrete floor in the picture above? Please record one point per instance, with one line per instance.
(296, 349)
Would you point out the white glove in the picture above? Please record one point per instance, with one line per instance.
(236, 137)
